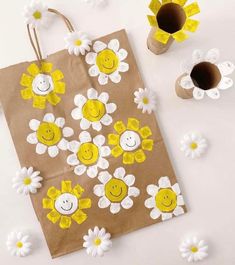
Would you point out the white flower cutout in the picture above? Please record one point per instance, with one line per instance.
(88, 154)
(94, 110)
(166, 200)
(193, 145)
(37, 15)
(145, 100)
(49, 135)
(18, 244)
(194, 249)
(93, 3)
(107, 61)
(116, 191)
(27, 181)
(97, 242)
(77, 43)
(205, 75)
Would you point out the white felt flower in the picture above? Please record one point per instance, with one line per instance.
(18, 244)
(94, 110)
(97, 242)
(116, 191)
(93, 3)
(88, 154)
(77, 42)
(166, 200)
(36, 14)
(193, 145)
(145, 99)
(107, 61)
(49, 135)
(205, 75)
(194, 249)
(27, 181)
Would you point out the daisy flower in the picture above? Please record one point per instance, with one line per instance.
(145, 99)
(96, 2)
(115, 191)
(88, 154)
(107, 61)
(97, 242)
(166, 199)
(18, 244)
(27, 181)
(49, 135)
(94, 110)
(194, 249)
(193, 145)
(204, 75)
(77, 42)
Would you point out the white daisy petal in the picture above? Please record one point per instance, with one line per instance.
(104, 177)
(92, 171)
(34, 125)
(103, 202)
(122, 54)
(178, 211)
(152, 190)
(60, 122)
(213, 93)
(79, 170)
(115, 208)
(104, 97)
(85, 124)
(164, 182)
(120, 173)
(129, 180)
(99, 140)
(103, 79)
(105, 151)
(106, 120)
(92, 93)
(73, 160)
(63, 145)
(49, 117)
(41, 149)
(225, 83)
(94, 71)
(127, 203)
(114, 45)
(85, 137)
(32, 138)
(198, 93)
(150, 203)
(186, 82)
(99, 46)
(77, 114)
(110, 108)
(115, 77)
(91, 58)
(133, 191)
(99, 190)
(103, 163)
(212, 55)
(155, 214)
(166, 216)
(226, 68)
(123, 67)
(53, 151)
(197, 56)
(79, 100)
(176, 188)
(73, 146)
(68, 132)
(97, 126)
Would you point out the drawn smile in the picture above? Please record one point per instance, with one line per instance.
(114, 195)
(131, 145)
(67, 210)
(87, 159)
(49, 139)
(95, 116)
(167, 205)
(48, 88)
(109, 68)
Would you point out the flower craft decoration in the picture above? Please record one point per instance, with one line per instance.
(145, 100)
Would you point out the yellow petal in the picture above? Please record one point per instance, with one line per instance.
(133, 124)
(180, 2)
(26, 93)
(140, 156)
(39, 102)
(192, 9)
(78, 191)
(119, 127)
(145, 132)
(57, 75)
(33, 70)
(53, 216)
(152, 21)
(46, 67)
(66, 186)
(65, 222)
(166, 1)
(117, 151)
(84, 204)
(154, 6)
(53, 98)
(59, 87)
(180, 36)
(162, 36)
(147, 144)
(113, 139)
(79, 216)
(26, 80)
(128, 158)
(53, 193)
(191, 25)
(48, 203)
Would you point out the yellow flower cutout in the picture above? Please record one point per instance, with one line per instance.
(42, 85)
(131, 141)
(172, 18)
(66, 205)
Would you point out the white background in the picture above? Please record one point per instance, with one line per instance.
(208, 183)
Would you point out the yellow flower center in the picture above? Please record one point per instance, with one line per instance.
(107, 61)
(88, 153)
(166, 200)
(27, 181)
(116, 190)
(49, 133)
(93, 110)
(78, 42)
(193, 146)
(194, 249)
(37, 15)
(97, 241)
(145, 100)
(19, 244)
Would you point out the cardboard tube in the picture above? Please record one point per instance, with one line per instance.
(182, 92)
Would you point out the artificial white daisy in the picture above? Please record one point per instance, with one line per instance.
(77, 42)
(93, 3)
(27, 181)
(205, 75)
(36, 14)
(49, 135)
(116, 191)
(194, 249)
(166, 200)
(145, 99)
(193, 145)
(18, 244)
(97, 242)
(107, 61)
(94, 110)
(88, 154)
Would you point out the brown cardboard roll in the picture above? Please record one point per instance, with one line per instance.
(180, 91)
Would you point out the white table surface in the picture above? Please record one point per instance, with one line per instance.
(208, 183)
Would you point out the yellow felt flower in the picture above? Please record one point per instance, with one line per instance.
(172, 18)
(131, 141)
(66, 205)
(42, 85)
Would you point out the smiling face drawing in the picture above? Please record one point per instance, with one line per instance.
(66, 204)
(130, 141)
(48, 133)
(42, 84)
(166, 200)
(116, 190)
(93, 110)
(107, 61)
(88, 153)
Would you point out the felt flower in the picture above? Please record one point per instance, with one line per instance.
(93, 3)
(204, 75)
(194, 249)
(42, 84)
(88, 154)
(49, 135)
(166, 200)
(36, 14)
(66, 205)
(116, 191)
(27, 181)
(131, 141)
(18, 244)
(145, 99)
(107, 61)
(97, 241)
(193, 145)
(94, 110)
(77, 42)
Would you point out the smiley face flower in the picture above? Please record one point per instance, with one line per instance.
(94, 110)
(49, 135)
(107, 61)
(66, 205)
(88, 154)
(115, 191)
(166, 200)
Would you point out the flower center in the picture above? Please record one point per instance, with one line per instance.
(145, 100)
(19, 244)
(27, 181)
(78, 42)
(97, 241)
(88, 153)
(93, 110)
(193, 145)
(194, 249)
(107, 61)
(166, 200)
(49, 133)
(116, 190)
(37, 15)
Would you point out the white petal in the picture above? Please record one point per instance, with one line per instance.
(49, 117)
(119, 173)
(122, 54)
(104, 177)
(226, 68)
(104, 97)
(77, 114)
(79, 170)
(72, 160)
(99, 46)
(213, 93)
(92, 93)
(155, 214)
(99, 190)
(41, 149)
(105, 151)
(92, 171)
(133, 191)
(186, 82)
(79, 100)
(166, 216)
(198, 93)
(127, 203)
(85, 137)
(85, 124)
(53, 151)
(60, 122)
(103, 79)
(103, 163)
(225, 83)
(197, 56)
(114, 45)
(32, 138)
(123, 67)
(91, 58)
(164, 182)
(150, 203)
(73, 146)
(178, 211)
(68, 132)
(152, 189)
(187, 66)
(63, 144)
(129, 180)
(176, 188)
(212, 56)
(94, 71)
(103, 202)
(34, 124)
(115, 77)
(110, 108)
(97, 126)
(106, 120)
(115, 208)
(99, 140)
